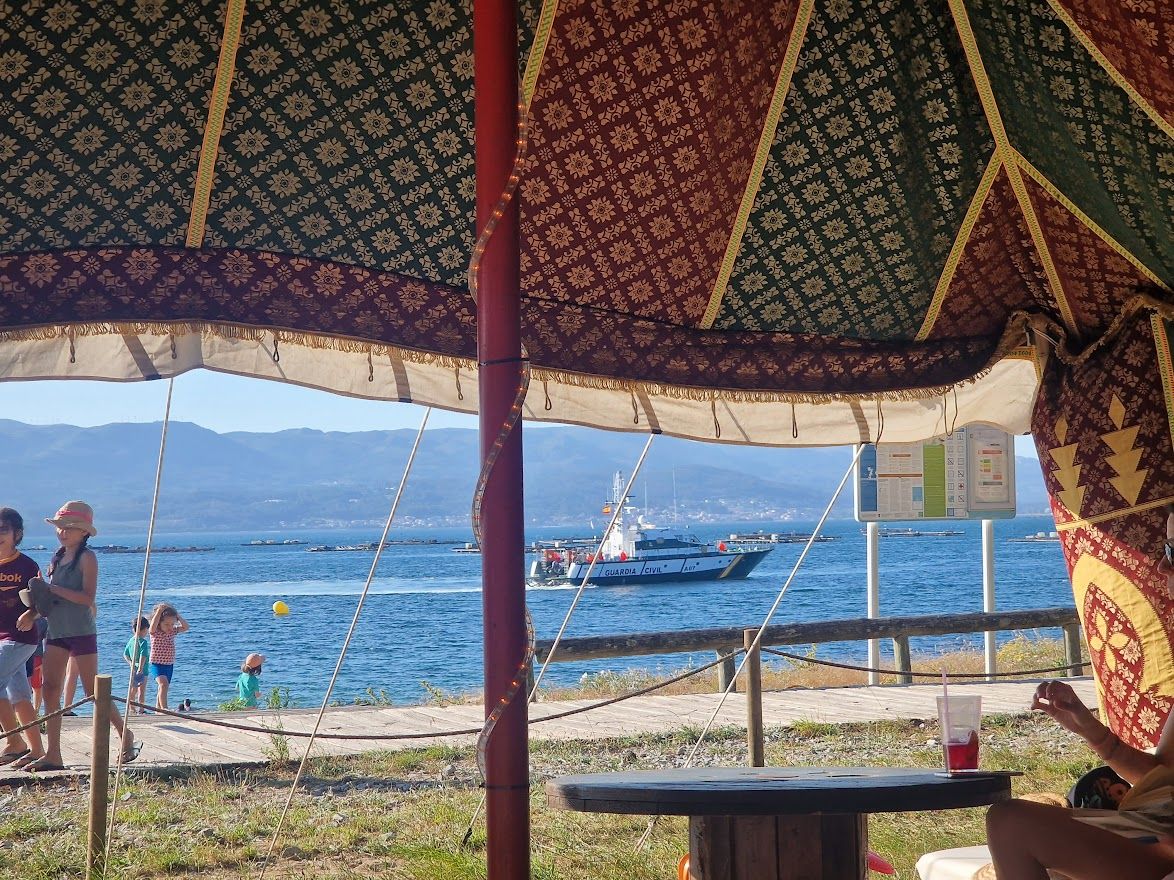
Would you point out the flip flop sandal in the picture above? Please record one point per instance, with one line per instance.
(43, 766)
(23, 763)
(10, 757)
(132, 751)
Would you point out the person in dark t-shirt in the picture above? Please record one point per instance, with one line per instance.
(16, 646)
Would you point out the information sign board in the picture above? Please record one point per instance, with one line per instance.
(970, 474)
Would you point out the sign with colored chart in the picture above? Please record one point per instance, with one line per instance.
(969, 474)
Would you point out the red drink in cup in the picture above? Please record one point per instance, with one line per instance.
(963, 754)
(959, 721)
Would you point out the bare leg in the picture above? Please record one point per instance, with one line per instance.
(162, 685)
(87, 667)
(27, 715)
(1026, 838)
(52, 683)
(70, 692)
(8, 722)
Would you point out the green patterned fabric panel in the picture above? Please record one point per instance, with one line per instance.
(102, 110)
(1069, 119)
(877, 155)
(349, 136)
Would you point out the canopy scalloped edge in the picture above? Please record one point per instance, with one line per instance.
(137, 351)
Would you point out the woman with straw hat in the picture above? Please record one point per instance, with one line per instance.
(67, 601)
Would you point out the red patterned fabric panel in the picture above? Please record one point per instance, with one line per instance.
(999, 272)
(1137, 38)
(1103, 435)
(1097, 281)
(639, 161)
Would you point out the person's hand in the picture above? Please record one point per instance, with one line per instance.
(26, 621)
(1057, 700)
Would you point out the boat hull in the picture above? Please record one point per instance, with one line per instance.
(670, 569)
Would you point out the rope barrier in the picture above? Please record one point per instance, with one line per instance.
(42, 718)
(933, 675)
(467, 731)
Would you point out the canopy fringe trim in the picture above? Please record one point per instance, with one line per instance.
(260, 335)
(1011, 345)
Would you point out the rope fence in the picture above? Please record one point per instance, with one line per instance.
(934, 675)
(578, 710)
(376, 737)
(42, 718)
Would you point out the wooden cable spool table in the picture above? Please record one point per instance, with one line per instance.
(776, 823)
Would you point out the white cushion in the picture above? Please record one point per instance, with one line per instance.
(953, 864)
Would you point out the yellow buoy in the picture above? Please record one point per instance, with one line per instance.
(280, 608)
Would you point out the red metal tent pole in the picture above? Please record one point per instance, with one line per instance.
(507, 805)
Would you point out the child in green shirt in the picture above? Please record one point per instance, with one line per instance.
(248, 684)
(135, 653)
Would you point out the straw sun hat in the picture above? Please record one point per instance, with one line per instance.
(74, 515)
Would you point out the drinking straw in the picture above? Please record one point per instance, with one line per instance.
(946, 720)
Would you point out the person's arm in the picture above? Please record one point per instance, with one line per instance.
(181, 625)
(1058, 700)
(89, 591)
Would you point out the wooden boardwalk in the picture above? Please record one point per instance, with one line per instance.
(183, 742)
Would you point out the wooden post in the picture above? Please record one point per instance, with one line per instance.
(99, 780)
(726, 670)
(1072, 648)
(754, 738)
(903, 659)
(530, 681)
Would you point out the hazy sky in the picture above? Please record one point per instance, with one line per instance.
(224, 403)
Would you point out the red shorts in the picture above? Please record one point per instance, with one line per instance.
(35, 678)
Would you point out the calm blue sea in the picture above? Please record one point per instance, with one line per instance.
(422, 621)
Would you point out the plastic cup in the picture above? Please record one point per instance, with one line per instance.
(965, 714)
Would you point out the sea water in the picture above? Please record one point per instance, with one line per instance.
(421, 625)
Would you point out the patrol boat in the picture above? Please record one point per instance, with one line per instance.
(638, 552)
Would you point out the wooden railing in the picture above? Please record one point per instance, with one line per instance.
(726, 640)
(899, 629)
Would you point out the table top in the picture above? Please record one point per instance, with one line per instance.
(765, 791)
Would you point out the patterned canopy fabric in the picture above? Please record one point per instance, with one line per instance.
(857, 209)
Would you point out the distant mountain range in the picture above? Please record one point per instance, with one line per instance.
(312, 479)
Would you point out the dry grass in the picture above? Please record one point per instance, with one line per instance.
(403, 814)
